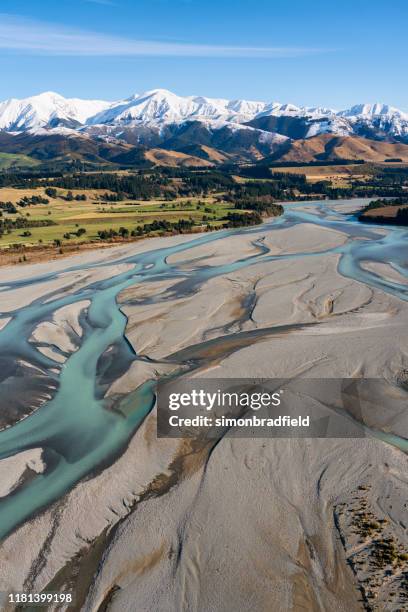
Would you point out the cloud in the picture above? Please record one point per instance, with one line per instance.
(25, 36)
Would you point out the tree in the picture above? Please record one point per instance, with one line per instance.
(51, 192)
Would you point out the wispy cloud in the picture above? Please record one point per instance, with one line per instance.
(25, 36)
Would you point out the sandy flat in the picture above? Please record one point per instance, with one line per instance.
(13, 469)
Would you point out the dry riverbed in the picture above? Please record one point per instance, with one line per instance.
(296, 524)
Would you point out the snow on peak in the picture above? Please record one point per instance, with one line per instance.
(384, 119)
(371, 110)
(46, 109)
(158, 108)
(246, 107)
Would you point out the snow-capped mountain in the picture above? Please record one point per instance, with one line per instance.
(48, 109)
(377, 120)
(155, 115)
(159, 107)
(372, 110)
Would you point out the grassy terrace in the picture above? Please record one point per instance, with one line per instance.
(60, 212)
(341, 175)
(95, 215)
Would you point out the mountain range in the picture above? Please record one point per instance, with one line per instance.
(165, 128)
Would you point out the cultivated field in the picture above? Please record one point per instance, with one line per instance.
(340, 175)
(94, 214)
(385, 211)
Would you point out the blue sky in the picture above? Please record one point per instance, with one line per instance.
(315, 52)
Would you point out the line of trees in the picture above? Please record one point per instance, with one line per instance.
(7, 225)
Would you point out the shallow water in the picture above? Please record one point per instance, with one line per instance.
(76, 430)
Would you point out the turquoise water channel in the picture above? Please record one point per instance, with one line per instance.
(76, 429)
